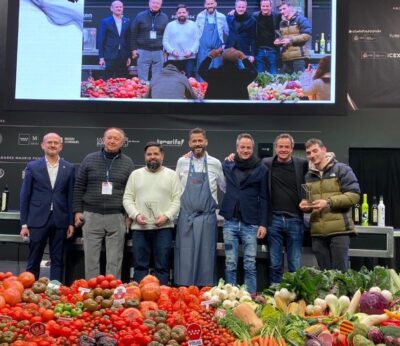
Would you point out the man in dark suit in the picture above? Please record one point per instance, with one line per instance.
(46, 206)
(285, 219)
(244, 208)
(114, 42)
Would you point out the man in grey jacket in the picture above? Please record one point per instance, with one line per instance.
(97, 203)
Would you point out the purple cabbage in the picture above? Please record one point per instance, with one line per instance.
(373, 303)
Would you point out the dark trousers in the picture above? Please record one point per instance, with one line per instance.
(38, 239)
(332, 252)
(116, 68)
(156, 242)
(186, 65)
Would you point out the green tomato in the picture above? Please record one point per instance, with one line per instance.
(66, 313)
(76, 312)
(79, 305)
(67, 307)
(58, 309)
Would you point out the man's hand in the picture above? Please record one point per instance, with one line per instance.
(285, 42)
(305, 206)
(188, 54)
(251, 58)
(128, 223)
(24, 232)
(134, 54)
(241, 55)
(261, 232)
(141, 219)
(175, 54)
(161, 220)
(102, 62)
(214, 53)
(230, 157)
(278, 42)
(70, 231)
(319, 204)
(79, 221)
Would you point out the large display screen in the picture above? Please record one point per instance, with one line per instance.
(57, 59)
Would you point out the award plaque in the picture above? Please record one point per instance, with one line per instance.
(306, 193)
(151, 214)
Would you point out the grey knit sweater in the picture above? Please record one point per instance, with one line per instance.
(88, 185)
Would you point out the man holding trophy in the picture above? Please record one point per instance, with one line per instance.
(152, 201)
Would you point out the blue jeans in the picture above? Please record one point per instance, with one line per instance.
(156, 242)
(267, 60)
(147, 60)
(283, 228)
(247, 234)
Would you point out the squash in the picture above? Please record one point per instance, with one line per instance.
(245, 313)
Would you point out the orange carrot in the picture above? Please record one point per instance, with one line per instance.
(272, 342)
(281, 341)
(265, 341)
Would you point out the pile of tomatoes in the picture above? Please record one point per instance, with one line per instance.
(80, 314)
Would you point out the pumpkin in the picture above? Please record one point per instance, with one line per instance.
(149, 279)
(27, 279)
(11, 296)
(151, 292)
(133, 292)
(131, 314)
(13, 283)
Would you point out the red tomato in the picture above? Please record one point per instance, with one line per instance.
(92, 283)
(48, 315)
(114, 284)
(100, 278)
(110, 277)
(105, 284)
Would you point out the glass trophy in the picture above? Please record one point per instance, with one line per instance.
(306, 193)
(151, 212)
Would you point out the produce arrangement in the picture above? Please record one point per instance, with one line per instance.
(309, 307)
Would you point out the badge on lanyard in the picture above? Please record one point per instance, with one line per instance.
(153, 34)
(106, 188)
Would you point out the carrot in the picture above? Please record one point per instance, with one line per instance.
(281, 341)
(265, 341)
(255, 339)
(272, 342)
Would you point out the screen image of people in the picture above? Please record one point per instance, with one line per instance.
(112, 51)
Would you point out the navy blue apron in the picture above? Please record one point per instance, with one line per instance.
(196, 238)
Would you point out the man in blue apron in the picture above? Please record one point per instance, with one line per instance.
(212, 26)
(196, 238)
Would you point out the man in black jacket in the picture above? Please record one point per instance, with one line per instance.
(97, 203)
(285, 220)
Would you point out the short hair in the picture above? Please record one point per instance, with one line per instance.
(285, 2)
(197, 130)
(324, 66)
(121, 131)
(284, 135)
(51, 134)
(181, 6)
(236, 1)
(154, 144)
(314, 141)
(244, 135)
(270, 2)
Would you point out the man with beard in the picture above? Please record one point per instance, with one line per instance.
(245, 210)
(181, 41)
(242, 30)
(152, 201)
(212, 28)
(267, 24)
(98, 205)
(113, 42)
(147, 32)
(196, 239)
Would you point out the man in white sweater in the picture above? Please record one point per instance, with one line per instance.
(181, 41)
(152, 201)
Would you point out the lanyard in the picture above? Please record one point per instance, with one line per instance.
(109, 166)
(153, 20)
(204, 170)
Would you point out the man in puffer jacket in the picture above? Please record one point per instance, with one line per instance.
(334, 189)
(295, 30)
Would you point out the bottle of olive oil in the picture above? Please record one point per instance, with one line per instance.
(364, 211)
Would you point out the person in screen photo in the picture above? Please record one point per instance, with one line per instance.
(170, 83)
(230, 80)
(114, 42)
(242, 30)
(267, 24)
(147, 31)
(213, 29)
(181, 41)
(317, 84)
(295, 30)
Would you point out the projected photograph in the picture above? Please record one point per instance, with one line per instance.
(199, 51)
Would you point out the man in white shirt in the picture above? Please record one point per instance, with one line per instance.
(196, 239)
(46, 206)
(181, 41)
(152, 201)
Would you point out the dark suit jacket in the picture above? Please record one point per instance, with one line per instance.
(37, 195)
(252, 195)
(109, 41)
(300, 170)
(242, 35)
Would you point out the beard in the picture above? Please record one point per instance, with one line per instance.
(198, 151)
(153, 165)
(182, 19)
